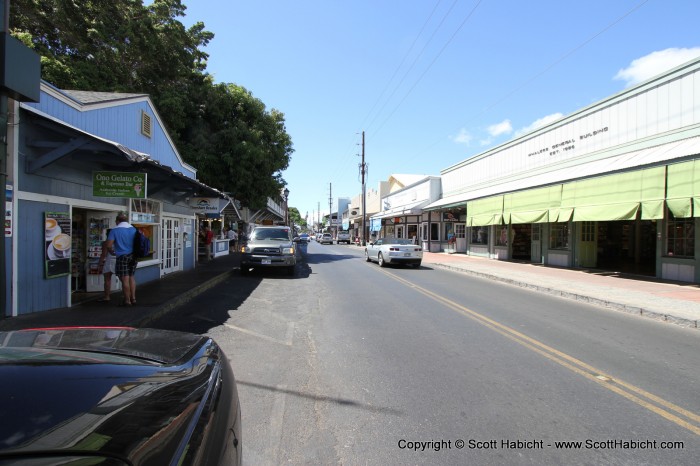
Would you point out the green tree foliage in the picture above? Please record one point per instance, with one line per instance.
(296, 219)
(236, 144)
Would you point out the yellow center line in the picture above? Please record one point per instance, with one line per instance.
(624, 389)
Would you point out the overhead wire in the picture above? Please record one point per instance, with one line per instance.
(343, 166)
(546, 69)
(420, 78)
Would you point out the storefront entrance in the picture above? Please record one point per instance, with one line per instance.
(89, 231)
(171, 251)
(627, 246)
(522, 242)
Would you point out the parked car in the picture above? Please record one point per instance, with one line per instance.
(326, 238)
(344, 237)
(115, 396)
(269, 246)
(394, 251)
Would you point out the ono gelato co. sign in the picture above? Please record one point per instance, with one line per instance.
(119, 184)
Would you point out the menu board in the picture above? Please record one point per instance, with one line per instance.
(57, 244)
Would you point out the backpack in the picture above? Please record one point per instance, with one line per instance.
(142, 245)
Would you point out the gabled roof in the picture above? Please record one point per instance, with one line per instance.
(93, 97)
(406, 180)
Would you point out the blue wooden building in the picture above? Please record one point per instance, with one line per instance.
(75, 159)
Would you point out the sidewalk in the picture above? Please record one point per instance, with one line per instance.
(154, 300)
(677, 303)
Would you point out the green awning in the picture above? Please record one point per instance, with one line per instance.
(533, 205)
(617, 197)
(486, 211)
(683, 185)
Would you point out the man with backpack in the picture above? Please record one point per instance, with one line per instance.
(121, 238)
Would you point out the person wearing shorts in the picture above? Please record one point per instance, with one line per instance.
(107, 267)
(121, 238)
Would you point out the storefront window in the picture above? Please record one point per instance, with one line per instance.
(449, 232)
(461, 230)
(434, 232)
(502, 236)
(680, 236)
(559, 236)
(145, 215)
(480, 235)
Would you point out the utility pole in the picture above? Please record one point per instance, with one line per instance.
(318, 212)
(363, 170)
(330, 206)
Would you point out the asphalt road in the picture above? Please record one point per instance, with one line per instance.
(349, 363)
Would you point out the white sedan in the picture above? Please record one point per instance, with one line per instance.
(394, 251)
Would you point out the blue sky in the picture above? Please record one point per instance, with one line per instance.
(431, 82)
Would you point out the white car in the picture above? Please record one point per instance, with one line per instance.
(343, 237)
(394, 251)
(326, 238)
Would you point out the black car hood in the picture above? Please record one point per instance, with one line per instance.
(119, 393)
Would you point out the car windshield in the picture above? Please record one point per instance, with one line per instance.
(281, 234)
(397, 241)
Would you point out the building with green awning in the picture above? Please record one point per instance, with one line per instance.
(613, 186)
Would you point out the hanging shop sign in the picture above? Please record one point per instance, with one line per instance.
(119, 184)
(206, 205)
(58, 244)
(449, 217)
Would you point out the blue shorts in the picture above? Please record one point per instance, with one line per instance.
(126, 265)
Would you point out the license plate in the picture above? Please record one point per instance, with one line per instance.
(266, 262)
(407, 254)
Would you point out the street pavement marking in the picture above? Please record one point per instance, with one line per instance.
(624, 389)
(289, 336)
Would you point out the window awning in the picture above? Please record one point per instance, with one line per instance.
(617, 197)
(532, 205)
(683, 188)
(486, 211)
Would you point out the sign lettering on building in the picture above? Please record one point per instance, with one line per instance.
(119, 184)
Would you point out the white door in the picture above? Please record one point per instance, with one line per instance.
(400, 231)
(171, 247)
(536, 245)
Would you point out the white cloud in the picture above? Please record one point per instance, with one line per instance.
(463, 137)
(655, 63)
(544, 121)
(498, 129)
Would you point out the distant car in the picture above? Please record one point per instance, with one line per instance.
(269, 246)
(116, 395)
(326, 238)
(344, 237)
(394, 251)
(304, 238)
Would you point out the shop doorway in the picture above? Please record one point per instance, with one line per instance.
(522, 241)
(400, 231)
(588, 245)
(413, 233)
(171, 247)
(89, 231)
(627, 246)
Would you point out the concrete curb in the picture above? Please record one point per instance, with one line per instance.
(687, 323)
(181, 299)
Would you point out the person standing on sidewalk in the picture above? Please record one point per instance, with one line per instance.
(208, 239)
(107, 267)
(121, 238)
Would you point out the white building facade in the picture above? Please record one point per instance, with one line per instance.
(615, 185)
